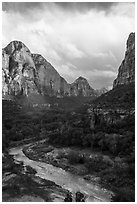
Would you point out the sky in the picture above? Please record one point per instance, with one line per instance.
(78, 39)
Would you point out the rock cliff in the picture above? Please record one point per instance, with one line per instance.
(81, 87)
(49, 80)
(25, 73)
(18, 70)
(126, 72)
(116, 105)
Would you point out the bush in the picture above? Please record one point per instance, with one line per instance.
(75, 158)
(96, 164)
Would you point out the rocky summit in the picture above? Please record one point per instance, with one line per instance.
(126, 72)
(81, 87)
(25, 73)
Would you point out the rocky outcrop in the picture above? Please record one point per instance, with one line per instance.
(81, 87)
(126, 72)
(25, 73)
(108, 116)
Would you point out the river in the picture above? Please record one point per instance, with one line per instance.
(65, 179)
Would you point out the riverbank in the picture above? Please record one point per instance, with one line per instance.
(66, 180)
(58, 156)
(15, 180)
(69, 159)
(103, 171)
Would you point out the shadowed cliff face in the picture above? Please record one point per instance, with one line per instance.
(51, 83)
(126, 72)
(25, 73)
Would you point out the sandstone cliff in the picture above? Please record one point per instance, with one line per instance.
(18, 70)
(81, 87)
(119, 103)
(25, 73)
(49, 80)
(126, 72)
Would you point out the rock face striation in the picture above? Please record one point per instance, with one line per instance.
(18, 70)
(49, 80)
(24, 73)
(126, 72)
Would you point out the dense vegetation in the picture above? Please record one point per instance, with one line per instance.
(72, 128)
(121, 96)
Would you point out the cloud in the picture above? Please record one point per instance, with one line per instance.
(87, 39)
(85, 6)
(20, 6)
(66, 6)
(70, 50)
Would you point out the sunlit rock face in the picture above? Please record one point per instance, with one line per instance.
(126, 72)
(18, 70)
(25, 73)
(81, 87)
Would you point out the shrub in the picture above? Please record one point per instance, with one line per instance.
(75, 158)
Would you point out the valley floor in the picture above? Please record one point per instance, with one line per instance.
(47, 183)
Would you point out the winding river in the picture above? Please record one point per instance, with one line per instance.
(63, 178)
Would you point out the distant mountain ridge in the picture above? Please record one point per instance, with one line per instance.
(25, 73)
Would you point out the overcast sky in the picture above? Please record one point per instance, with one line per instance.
(78, 39)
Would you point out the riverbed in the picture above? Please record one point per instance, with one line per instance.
(67, 180)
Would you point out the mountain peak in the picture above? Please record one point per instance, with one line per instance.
(14, 46)
(131, 41)
(26, 73)
(81, 87)
(126, 72)
(80, 78)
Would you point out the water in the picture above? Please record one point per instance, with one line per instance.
(65, 179)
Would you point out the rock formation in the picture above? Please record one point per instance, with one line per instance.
(126, 72)
(25, 73)
(119, 103)
(81, 87)
(18, 70)
(49, 80)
